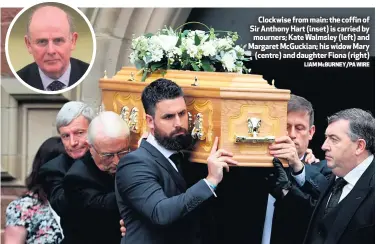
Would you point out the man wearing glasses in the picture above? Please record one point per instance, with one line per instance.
(89, 183)
(50, 38)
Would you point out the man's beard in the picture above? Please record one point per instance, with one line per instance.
(172, 142)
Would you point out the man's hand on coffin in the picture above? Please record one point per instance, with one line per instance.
(278, 181)
(310, 157)
(284, 148)
(217, 161)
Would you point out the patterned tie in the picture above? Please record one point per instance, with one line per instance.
(55, 86)
(178, 159)
(336, 194)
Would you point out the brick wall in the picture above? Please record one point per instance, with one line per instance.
(8, 193)
(7, 15)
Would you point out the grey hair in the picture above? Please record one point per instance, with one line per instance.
(72, 110)
(362, 125)
(297, 104)
(69, 17)
(109, 124)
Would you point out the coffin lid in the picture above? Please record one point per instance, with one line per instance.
(223, 81)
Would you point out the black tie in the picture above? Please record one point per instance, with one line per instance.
(336, 194)
(178, 159)
(55, 86)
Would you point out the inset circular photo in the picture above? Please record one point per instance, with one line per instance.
(50, 47)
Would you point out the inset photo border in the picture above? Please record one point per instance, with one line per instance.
(42, 47)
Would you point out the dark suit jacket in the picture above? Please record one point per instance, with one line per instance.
(154, 201)
(284, 219)
(355, 220)
(92, 202)
(242, 198)
(239, 209)
(51, 174)
(30, 73)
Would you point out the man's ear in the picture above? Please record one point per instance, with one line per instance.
(74, 40)
(311, 132)
(90, 148)
(361, 146)
(150, 121)
(28, 44)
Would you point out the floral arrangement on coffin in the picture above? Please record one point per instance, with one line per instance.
(193, 50)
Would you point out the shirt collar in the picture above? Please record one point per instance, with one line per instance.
(354, 175)
(63, 79)
(165, 152)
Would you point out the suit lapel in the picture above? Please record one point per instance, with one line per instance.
(354, 199)
(317, 208)
(162, 161)
(34, 79)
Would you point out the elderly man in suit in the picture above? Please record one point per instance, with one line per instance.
(50, 38)
(154, 200)
(89, 183)
(72, 123)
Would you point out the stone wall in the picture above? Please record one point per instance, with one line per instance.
(8, 194)
(27, 118)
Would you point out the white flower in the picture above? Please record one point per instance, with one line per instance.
(154, 43)
(168, 42)
(177, 51)
(208, 48)
(161, 48)
(157, 55)
(228, 61)
(133, 57)
(140, 43)
(192, 50)
(190, 47)
(239, 51)
(199, 33)
(223, 43)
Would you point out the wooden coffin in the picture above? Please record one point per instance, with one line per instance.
(244, 111)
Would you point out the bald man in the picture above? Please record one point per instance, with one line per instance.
(50, 38)
(89, 183)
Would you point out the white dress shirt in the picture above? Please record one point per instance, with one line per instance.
(46, 81)
(353, 176)
(167, 153)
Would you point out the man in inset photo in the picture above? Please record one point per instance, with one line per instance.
(51, 38)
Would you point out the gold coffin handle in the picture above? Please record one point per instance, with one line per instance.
(131, 118)
(254, 125)
(197, 127)
(249, 139)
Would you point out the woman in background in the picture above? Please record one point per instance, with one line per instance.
(30, 219)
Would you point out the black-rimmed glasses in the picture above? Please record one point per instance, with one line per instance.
(110, 156)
